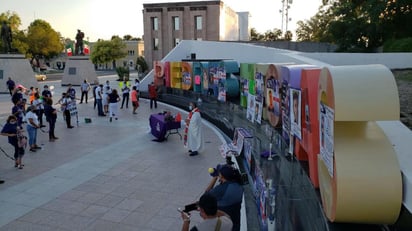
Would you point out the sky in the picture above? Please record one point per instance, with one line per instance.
(101, 19)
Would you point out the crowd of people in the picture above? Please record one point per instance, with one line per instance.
(219, 206)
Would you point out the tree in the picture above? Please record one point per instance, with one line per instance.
(272, 35)
(127, 37)
(43, 41)
(105, 51)
(141, 64)
(255, 36)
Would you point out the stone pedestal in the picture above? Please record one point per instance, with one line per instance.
(78, 68)
(18, 68)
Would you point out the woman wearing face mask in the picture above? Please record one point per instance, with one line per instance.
(193, 131)
(14, 133)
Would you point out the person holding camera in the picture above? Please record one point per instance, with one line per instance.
(213, 219)
(228, 193)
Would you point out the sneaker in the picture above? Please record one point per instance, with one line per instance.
(32, 150)
(56, 138)
(193, 153)
(70, 127)
(21, 166)
(1, 181)
(37, 147)
(115, 118)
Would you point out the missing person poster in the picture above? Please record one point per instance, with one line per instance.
(326, 116)
(295, 112)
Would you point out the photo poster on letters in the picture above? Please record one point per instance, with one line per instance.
(158, 77)
(250, 114)
(260, 195)
(205, 76)
(285, 105)
(273, 101)
(295, 112)
(222, 91)
(326, 116)
(259, 85)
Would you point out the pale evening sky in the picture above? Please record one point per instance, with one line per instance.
(102, 19)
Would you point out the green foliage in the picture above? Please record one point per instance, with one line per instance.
(141, 64)
(123, 72)
(105, 51)
(358, 26)
(43, 40)
(400, 45)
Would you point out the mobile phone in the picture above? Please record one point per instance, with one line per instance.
(190, 207)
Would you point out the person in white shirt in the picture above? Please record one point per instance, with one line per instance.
(32, 125)
(106, 91)
(99, 97)
(84, 88)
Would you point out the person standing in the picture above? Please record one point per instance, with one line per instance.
(14, 133)
(32, 126)
(51, 117)
(193, 131)
(99, 98)
(96, 84)
(10, 85)
(85, 88)
(153, 95)
(135, 99)
(113, 98)
(46, 93)
(106, 91)
(39, 108)
(66, 104)
(125, 90)
(71, 92)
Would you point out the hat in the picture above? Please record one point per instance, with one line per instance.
(45, 86)
(227, 172)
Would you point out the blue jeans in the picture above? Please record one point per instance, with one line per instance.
(32, 132)
(99, 107)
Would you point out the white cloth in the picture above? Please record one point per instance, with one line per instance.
(33, 116)
(210, 224)
(113, 108)
(98, 92)
(194, 133)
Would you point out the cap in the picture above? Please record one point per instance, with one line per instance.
(227, 172)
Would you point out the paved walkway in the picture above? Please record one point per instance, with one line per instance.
(102, 175)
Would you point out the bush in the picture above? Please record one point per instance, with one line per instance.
(400, 45)
(122, 72)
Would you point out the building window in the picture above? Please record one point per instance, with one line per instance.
(198, 21)
(155, 23)
(175, 23)
(130, 52)
(155, 44)
(176, 41)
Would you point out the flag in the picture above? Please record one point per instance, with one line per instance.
(86, 49)
(69, 49)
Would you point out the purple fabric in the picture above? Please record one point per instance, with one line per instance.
(159, 127)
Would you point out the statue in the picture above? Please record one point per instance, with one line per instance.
(6, 37)
(79, 43)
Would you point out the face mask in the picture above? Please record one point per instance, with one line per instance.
(14, 122)
(190, 107)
